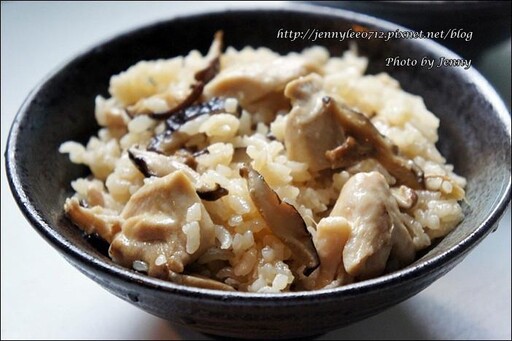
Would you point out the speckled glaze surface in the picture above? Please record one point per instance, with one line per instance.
(474, 136)
(488, 21)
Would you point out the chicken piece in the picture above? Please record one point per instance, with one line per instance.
(325, 134)
(155, 231)
(311, 128)
(330, 238)
(154, 164)
(377, 232)
(403, 250)
(259, 86)
(106, 223)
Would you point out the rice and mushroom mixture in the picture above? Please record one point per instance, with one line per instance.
(253, 171)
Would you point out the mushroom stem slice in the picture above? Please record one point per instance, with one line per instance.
(349, 153)
(202, 77)
(171, 139)
(368, 142)
(199, 282)
(212, 194)
(282, 218)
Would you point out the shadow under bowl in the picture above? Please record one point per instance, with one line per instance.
(474, 136)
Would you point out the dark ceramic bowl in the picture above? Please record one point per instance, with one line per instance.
(475, 136)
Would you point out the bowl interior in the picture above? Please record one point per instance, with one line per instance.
(474, 132)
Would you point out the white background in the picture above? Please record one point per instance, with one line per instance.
(43, 297)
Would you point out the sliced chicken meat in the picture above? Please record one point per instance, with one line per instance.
(97, 219)
(377, 233)
(325, 134)
(259, 86)
(311, 130)
(155, 231)
(330, 238)
(154, 164)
